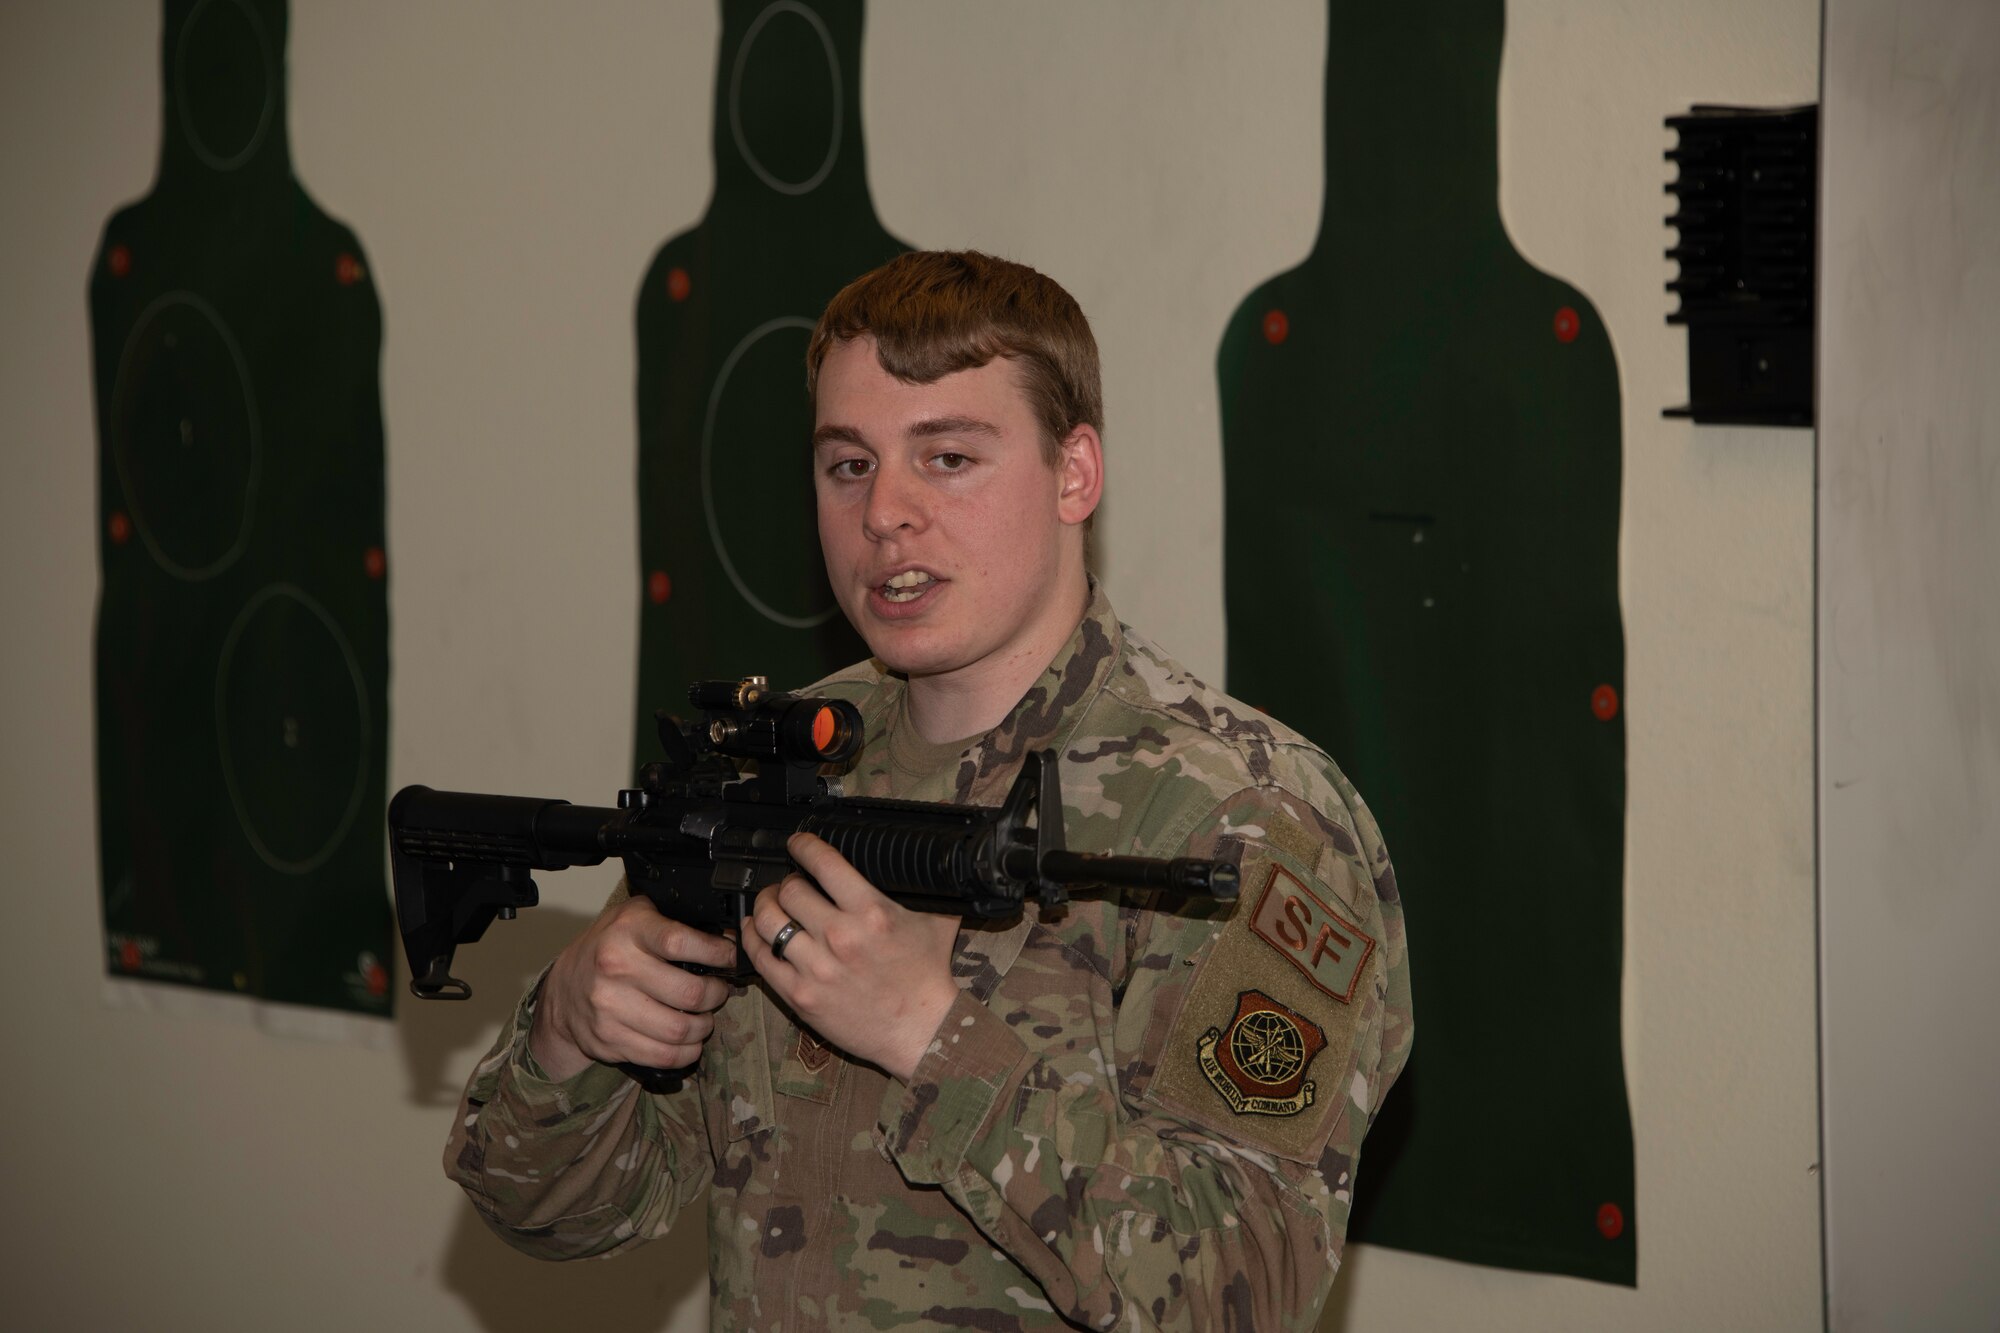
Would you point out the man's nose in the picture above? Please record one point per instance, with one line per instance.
(895, 503)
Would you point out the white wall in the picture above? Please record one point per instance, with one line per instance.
(1909, 666)
(510, 167)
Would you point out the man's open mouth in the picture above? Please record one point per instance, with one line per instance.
(907, 586)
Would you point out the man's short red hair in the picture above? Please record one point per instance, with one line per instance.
(934, 312)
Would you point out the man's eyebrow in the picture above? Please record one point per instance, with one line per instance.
(927, 429)
(936, 426)
(826, 435)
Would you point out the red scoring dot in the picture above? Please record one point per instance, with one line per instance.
(120, 528)
(128, 955)
(375, 562)
(1604, 703)
(1611, 1221)
(119, 261)
(347, 269)
(659, 587)
(1567, 325)
(1276, 327)
(678, 284)
(377, 978)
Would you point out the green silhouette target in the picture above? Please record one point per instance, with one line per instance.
(242, 629)
(1422, 453)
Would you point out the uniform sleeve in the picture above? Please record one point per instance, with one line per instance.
(1205, 1181)
(575, 1169)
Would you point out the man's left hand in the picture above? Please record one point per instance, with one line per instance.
(867, 974)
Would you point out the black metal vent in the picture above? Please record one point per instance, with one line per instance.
(1747, 194)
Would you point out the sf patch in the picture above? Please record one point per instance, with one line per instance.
(1259, 1062)
(1329, 949)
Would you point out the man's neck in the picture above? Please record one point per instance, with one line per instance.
(976, 699)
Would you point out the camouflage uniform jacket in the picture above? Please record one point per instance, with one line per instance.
(1136, 1115)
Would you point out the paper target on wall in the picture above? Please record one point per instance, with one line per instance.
(731, 577)
(1422, 452)
(242, 632)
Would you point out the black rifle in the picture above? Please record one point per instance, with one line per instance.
(700, 837)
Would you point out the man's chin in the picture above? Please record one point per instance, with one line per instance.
(908, 651)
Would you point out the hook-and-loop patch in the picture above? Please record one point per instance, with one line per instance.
(1260, 1051)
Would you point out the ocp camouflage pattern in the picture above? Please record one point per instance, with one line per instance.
(1064, 1156)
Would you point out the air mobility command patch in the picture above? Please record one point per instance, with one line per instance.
(1259, 1065)
(1261, 1047)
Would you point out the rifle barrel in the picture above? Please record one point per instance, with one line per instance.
(1183, 874)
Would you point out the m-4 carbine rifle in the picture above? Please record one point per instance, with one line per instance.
(703, 832)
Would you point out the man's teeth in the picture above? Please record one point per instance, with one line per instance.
(906, 587)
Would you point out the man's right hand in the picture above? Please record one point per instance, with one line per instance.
(615, 994)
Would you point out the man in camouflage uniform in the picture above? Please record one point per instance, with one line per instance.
(1126, 1113)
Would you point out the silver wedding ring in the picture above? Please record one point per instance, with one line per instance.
(783, 937)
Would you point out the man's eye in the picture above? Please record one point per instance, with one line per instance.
(950, 462)
(850, 468)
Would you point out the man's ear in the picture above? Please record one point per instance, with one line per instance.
(1079, 474)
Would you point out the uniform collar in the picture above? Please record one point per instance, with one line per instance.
(1053, 707)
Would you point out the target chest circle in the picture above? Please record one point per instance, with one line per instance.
(756, 477)
(185, 440)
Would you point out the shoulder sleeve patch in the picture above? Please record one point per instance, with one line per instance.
(1261, 1049)
(1260, 1062)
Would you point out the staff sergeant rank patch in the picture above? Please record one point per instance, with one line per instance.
(1259, 1065)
